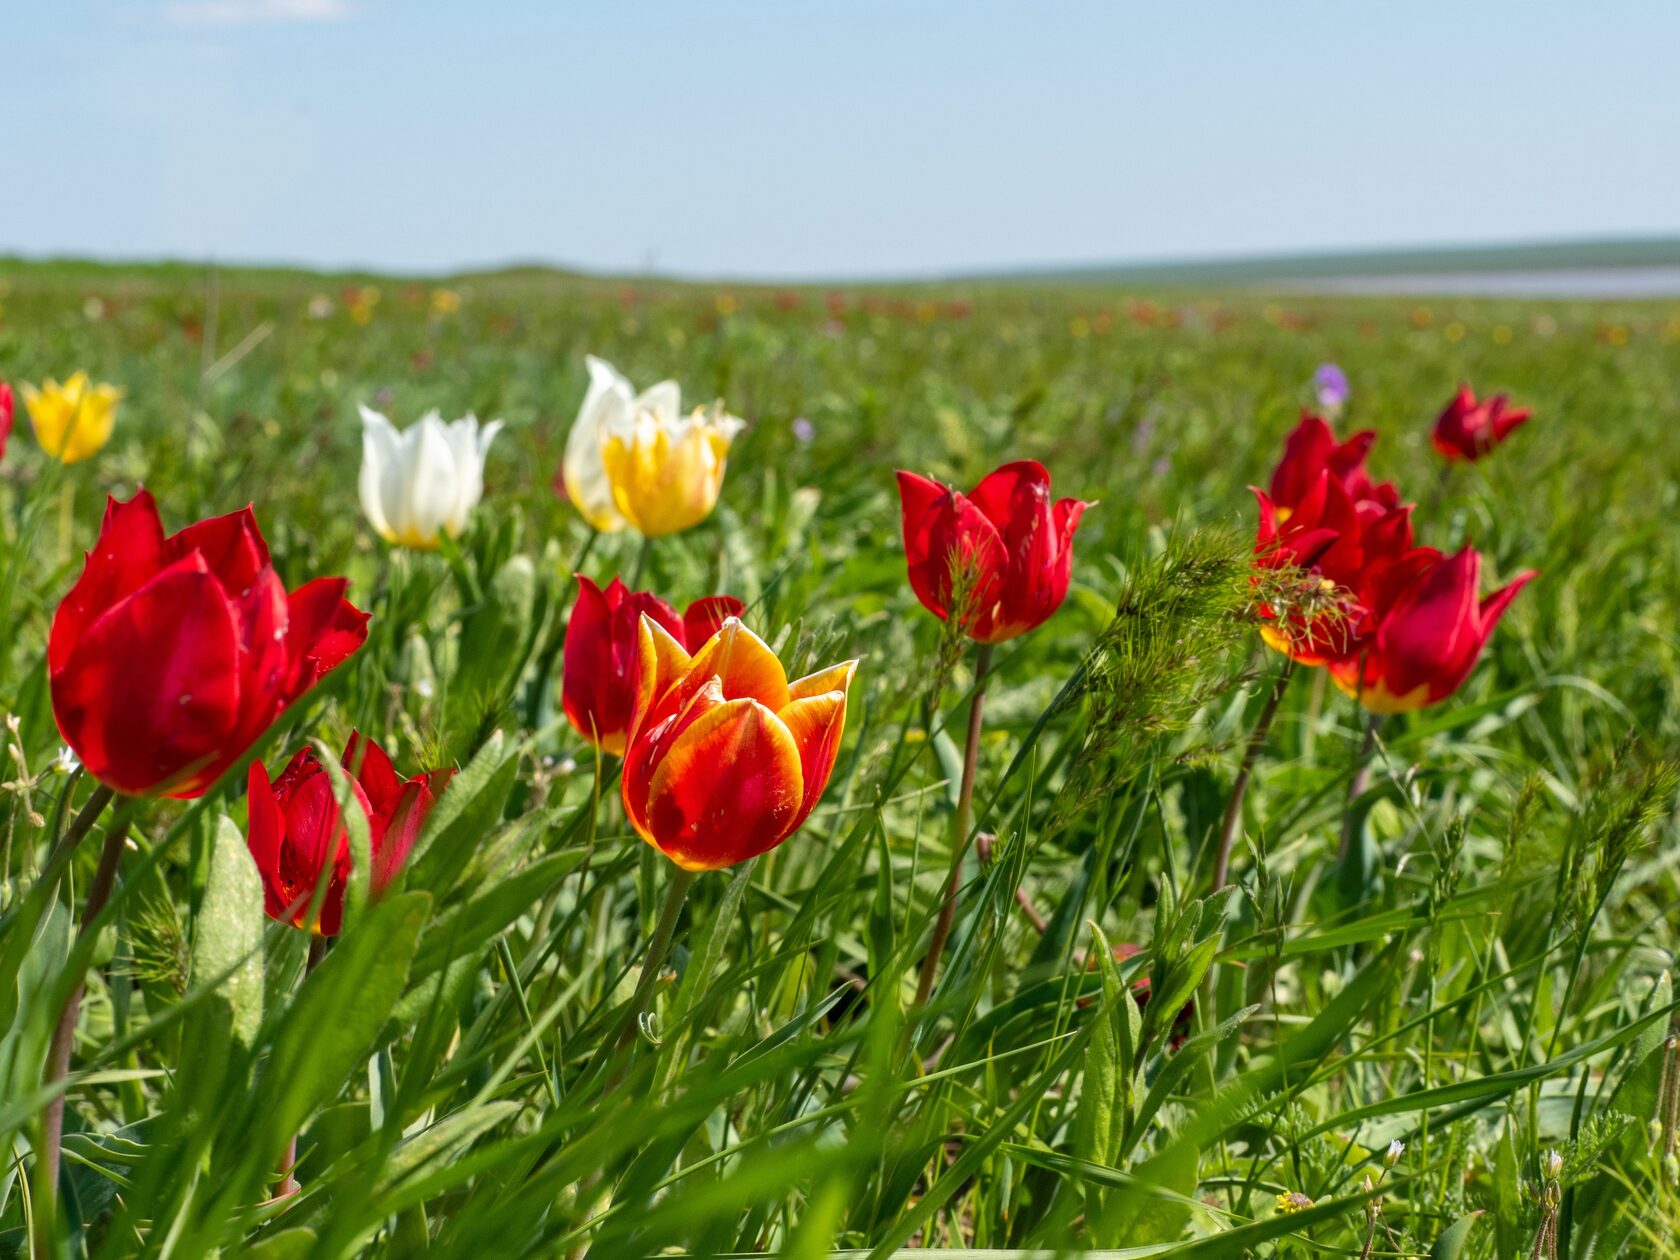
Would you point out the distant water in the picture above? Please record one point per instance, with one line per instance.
(1564, 282)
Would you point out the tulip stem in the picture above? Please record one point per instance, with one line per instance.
(642, 554)
(1231, 823)
(959, 829)
(64, 1033)
(659, 944)
(288, 1162)
(1357, 784)
(589, 1191)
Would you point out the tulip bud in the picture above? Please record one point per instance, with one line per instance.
(5, 416)
(726, 758)
(71, 421)
(297, 833)
(999, 559)
(603, 651)
(1467, 429)
(425, 481)
(634, 461)
(170, 656)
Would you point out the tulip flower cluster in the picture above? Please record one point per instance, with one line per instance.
(1399, 626)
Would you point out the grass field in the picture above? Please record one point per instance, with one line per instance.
(1483, 976)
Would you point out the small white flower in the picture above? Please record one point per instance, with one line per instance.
(1551, 1163)
(425, 480)
(426, 688)
(1396, 1149)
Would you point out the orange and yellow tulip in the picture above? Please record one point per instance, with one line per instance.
(726, 758)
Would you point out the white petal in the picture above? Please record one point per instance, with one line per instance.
(429, 480)
(609, 399)
(663, 401)
(469, 470)
(379, 458)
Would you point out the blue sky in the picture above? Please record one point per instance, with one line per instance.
(806, 140)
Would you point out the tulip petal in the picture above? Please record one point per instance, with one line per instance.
(744, 665)
(705, 617)
(946, 536)
(608, 402)
(663, 663)
(131, 551)
(396, 826)
(728, 789)
(380, 482)
(1004, 492)
(817, 720)
(1493, 606)
(366, 762)
(232, 546)
(430, 484)
(323, 630)
(263, 615)
(150, 695)
(265, 832)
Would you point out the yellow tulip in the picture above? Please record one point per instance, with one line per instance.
(665, 475)
(634, 461)
(73, 420)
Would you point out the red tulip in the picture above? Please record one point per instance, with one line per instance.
(1468, 429)
(297, 832)
(726, 758)
(1005, 546)
(1429, 628)
(1310, 450)
(598, 680)
(1338, 543)
(6, 405)
(170, 656)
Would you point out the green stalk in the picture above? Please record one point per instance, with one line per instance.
(959, 829)
(1231, 823)
(64, 1032)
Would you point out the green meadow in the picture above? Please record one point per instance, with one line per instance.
(1431, 1016)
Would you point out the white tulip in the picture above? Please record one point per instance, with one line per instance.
(611, 405)
(425, 480)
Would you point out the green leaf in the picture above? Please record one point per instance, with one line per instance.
(356, 826)
(468, 928)
(332, 1024)
(467, 811)
(288, 1244)
(1450, 1244)
(227, 951)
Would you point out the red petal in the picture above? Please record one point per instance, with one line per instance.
(367, 763)
(323, 630)
(816, 718)
(1010, 492)
(129, 553)
(150, 696)
(945, 534)
(728, 789)
(263, 657)
(232, 546)
(265, 832)
(705, 617)
(1306, 451)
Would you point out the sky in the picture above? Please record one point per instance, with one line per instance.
(827, 140)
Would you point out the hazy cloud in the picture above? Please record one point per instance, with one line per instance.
(252, 12)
